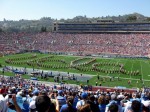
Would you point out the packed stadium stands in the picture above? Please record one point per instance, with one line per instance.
(123, 44)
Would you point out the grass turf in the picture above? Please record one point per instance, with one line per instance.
(141, 65)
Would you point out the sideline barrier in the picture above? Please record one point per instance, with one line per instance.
(33, 78)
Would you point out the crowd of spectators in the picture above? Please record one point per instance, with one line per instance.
(15, 42)
(123, 44)
(17, 94)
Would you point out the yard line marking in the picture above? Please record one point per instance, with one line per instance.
(148, 65)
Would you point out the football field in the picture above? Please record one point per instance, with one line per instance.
(127, 72)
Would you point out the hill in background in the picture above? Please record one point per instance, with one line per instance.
(45, 23)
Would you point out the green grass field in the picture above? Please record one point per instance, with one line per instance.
(132, 69)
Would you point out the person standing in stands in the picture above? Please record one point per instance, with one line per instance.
(61, 99)
(68, 107)
(83, 100)
(102, 103)
(93, 105)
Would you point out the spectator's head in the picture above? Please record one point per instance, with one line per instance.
(35, 92)
(85, 108)
(107, 98)
(70, 100)
(120, 97)
(84, 95)
(134, 95)
(92, 98)
(60, 92)
(102, 100)
(43, 103)
(43, 92)
(113, 97)
(113, 108)
(136, 106)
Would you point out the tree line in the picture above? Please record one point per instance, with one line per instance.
(46, 23)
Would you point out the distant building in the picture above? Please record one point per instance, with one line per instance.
(102, 26)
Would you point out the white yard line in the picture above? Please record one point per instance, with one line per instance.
(148, 65)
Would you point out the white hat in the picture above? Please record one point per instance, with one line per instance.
(120, 96)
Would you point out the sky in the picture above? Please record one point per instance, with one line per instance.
(58, 9)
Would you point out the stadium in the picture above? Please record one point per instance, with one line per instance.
(90, 63)
(86, 48)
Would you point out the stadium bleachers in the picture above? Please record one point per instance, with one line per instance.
(123, 44)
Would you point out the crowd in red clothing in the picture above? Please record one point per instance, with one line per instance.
(124, 44)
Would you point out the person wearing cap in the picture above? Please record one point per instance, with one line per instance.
(32, 106)
(35, 94)
(82, 102)
(61, 99)
(20, 99)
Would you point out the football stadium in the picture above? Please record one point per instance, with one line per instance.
(114, 56)
(81, 55)
(75, 65)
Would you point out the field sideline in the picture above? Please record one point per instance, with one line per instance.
(107, 65)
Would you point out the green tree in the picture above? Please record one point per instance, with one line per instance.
(132, 18)
(43, 29)
(148, 19)
(1, 30)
